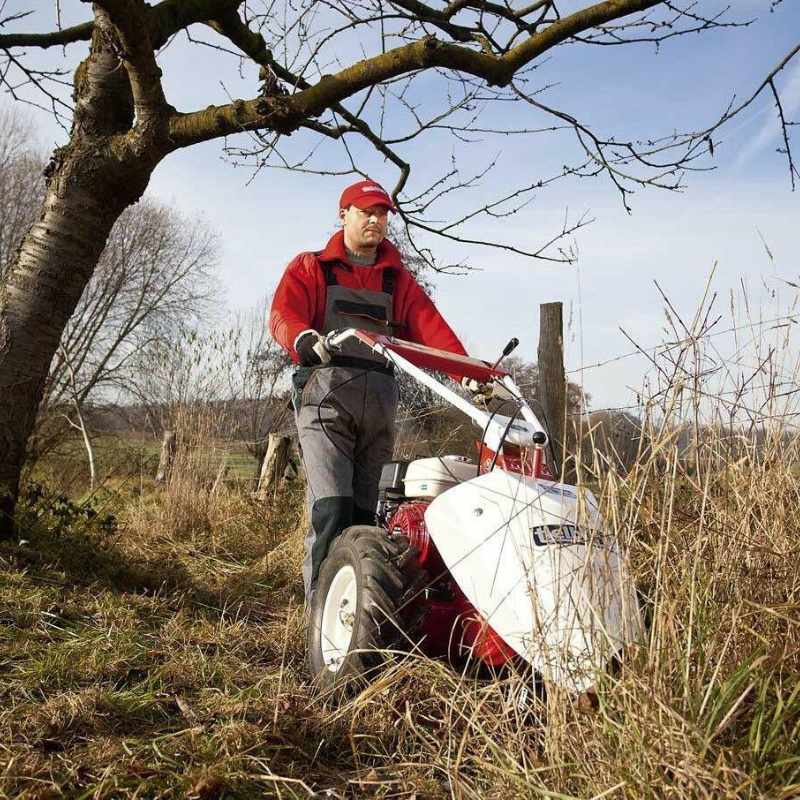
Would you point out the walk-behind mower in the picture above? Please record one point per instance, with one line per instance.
(488, 559)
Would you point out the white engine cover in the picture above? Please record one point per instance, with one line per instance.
(533, 558)
(429, 477)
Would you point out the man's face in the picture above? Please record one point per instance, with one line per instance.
(364, 228)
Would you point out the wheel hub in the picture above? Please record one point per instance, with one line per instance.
(346, 617)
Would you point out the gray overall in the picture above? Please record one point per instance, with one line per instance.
(345, 414)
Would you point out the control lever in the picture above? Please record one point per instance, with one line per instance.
(507, 350)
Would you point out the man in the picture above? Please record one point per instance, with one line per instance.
(345, 402)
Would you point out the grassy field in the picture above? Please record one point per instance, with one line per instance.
(160, 654)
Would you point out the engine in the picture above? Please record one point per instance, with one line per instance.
(406, 490)
(391, 491)
(453, 627)
(409, 519)
(421, 479)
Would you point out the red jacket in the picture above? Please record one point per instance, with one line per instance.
(299, 301)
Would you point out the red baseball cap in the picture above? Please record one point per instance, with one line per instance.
(365, 194)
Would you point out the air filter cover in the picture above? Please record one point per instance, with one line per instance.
(429, 477)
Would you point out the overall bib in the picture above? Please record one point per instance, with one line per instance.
(345, 414)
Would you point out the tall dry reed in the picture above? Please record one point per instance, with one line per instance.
(708, 511)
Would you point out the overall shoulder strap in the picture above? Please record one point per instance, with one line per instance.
(327, 271)
(388, 281)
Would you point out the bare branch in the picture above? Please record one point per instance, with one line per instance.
(660, 29)
(285, 115)
(567, 229)
(77, 33)
(252, 44)
(164, 20)
(784, 131)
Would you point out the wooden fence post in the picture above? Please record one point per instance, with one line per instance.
(553, 380)
(167, 457)
(222, 473)
(274, 465)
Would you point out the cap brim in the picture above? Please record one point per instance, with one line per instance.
(367, 200)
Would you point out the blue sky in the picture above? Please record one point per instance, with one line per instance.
(672, 238)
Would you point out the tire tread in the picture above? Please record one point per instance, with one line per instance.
(391, 603)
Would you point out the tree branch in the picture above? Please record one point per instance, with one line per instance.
(285, 115)
(164, 20)
(253, 45)
(563, 29)
(130, 19)
(441, 19)
(784, 131)
(77, 33)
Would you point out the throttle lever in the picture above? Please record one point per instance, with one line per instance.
(507, 350)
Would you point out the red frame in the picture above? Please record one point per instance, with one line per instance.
(522, 460)
(431, 358)
(453, 627)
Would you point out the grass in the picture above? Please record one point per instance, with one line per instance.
(149, 661)
(127, 461)
(166, 658)
(145, 662)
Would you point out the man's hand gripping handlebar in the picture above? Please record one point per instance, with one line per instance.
(311, 349)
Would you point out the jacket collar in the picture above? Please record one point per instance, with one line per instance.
(388, 254)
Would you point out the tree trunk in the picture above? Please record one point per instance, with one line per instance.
(43, 286)
(87, 443)
(105, 168)
(275, 462)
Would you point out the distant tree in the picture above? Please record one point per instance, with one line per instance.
(233, 377)
(153, 277)
(257, 371)
(526, 375)
(21, 182)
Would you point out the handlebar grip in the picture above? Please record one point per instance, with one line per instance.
(321, 349)
(340, 333)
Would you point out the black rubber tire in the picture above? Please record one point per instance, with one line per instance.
(390, 605)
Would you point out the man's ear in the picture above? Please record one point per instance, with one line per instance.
(341, 215)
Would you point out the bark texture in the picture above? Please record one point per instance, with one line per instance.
(552, 379)
(91, 181)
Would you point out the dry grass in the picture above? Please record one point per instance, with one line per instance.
(167, 659)
(170, 664)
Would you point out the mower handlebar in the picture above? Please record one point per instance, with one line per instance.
(419, 355)
(415, 359)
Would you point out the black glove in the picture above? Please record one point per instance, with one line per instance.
(311, 350)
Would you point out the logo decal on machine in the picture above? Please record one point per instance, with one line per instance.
(544, 535)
